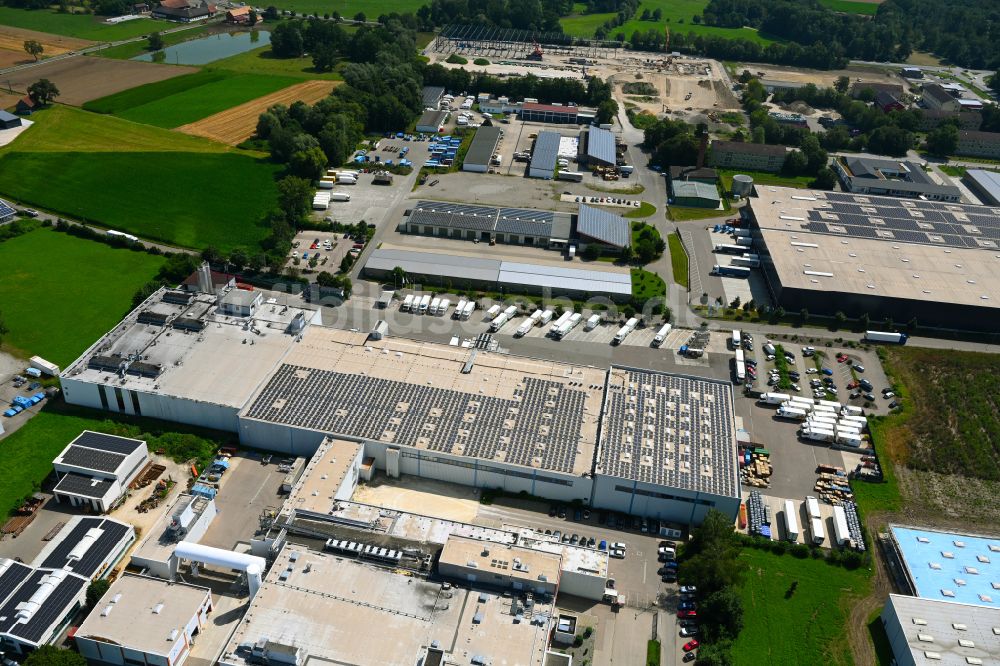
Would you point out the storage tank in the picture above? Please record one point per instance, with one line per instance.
(742, 185)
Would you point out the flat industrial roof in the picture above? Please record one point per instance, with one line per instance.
(881, 246)
(508, 409)
(988, 181)
(546, 150)
(601, 145)
(323, 474)
(432, 119)
(159, 543)
(142, 613)
(604, 226)
(83, 486)
(591, 280)
(213, 363)
(671, 430)
(519, 564)
(484, 146)
(85, 545)
(949, 566)
(520, 221)
(324, 605)
(434, 264)
(894, 175)
(946, 633)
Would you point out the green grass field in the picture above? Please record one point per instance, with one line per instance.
(152, 182)
(188, 98)
(678, 259)
(94, 284)
(764, 178)
(647, 285)
(81, 26)
(348, 8)
(133, 49)
(674, 11)
(808, 627)
(66, 129)
(851, 6)
(260, 61)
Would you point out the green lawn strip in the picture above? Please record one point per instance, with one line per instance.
(185, 99)
(647, 285)
(261, 61)
(133, 49)
(957, 171)
(804, 626)
(66, 129)
(61, 292)
(205, 199)
(30, 450)
(653, 653)
(678, 259)
(646, 209)
(81, 26)
(851, 6)
(763, 178)
(781, 365)
(684, 214)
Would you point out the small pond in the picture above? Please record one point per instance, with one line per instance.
(208, 49)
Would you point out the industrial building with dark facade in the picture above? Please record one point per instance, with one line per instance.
(903, 259)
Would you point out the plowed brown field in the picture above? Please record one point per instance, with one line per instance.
(237, 124)
(13, 39)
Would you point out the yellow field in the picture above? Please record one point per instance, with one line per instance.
(238, 124)
(12, 39)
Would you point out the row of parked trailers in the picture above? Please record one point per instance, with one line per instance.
(427, 304)
(844, 533)
(367, 551)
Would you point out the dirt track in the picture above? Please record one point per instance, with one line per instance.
(235, 125)
(83, 78)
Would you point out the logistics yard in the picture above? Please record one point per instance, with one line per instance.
(467, 395)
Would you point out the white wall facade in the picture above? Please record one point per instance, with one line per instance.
(584, 585)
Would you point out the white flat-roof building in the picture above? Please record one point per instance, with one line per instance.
(500, 565)
(187, 519)
(143, 620)
(929, 632)
(95, 469)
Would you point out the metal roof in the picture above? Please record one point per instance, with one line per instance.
(6, 210)
(546, 151)
(432, 119)
(989, 181)
(601, 145)
(483, 146)
(557, 277)
(694, 188)
(432, 95)
(603, 226)
(61, 554)
(432, 264)
(84, 486)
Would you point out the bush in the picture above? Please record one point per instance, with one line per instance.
(456, 59)
(800, 550)
(482, 62)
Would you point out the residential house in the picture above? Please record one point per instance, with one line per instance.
(887, 102)
(936, 97)
(238, 15)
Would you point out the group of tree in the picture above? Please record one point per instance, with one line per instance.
(648, 244)
(326, 42)
(625, 10)
(673, 142)
(536, 15)
(964, 33)
(710, 563)
(43, 92)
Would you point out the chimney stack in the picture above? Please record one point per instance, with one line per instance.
(205, 278)
(702, 147)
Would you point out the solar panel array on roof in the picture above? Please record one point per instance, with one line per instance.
(78, 484)
(520, 221)
(669, 430)
(54, 607)
(104, 442)
(6, 210)
(108, 542)
(86, 458)
(603, 226)
(540, 427)
(15, 574)
(917, 221)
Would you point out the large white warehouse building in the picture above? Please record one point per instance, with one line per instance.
(638, 441)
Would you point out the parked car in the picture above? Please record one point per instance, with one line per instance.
(669, 577)
(689, 631)
(552, 511)
(894, 404)
(859, 367)
(690, 656)
(687, 605)
(888, 394)
(691, 645)
(688, 589)
(870, 397)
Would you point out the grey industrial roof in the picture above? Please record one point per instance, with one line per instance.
(666, 429)
(546, 151)
(432, 118)
(85, 486)
(240, 297)
(697, 189)
(432, 264)
(601, 145)
(911, 178)
(957, 632)
(603, 226)
(937, 92)
(520, 221)
(483, 146)
(881, 246)
(6, 116)
(989, 181)
(105, 442)
(538, 275)
(432, 95)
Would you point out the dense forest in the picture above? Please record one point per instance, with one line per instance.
(965, 32)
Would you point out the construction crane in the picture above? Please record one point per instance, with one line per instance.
(537, 53)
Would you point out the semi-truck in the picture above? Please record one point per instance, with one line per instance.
(500, 320)
(746, 262)
(425, 302)
(469, 307)
(817, 434)
(791, 521)
(691, 352)
(773, 398)
(731, 271)
(433, 309)
(625, 330)
(443, 307)
(741, 366)
(567, 326)
(592, 323)
(726, 248)
(661, 335)
(457, 314)
(853, 441)
(841, 534)
(812, 507)
(526, 325)
(791, 413)
(816, 530)
(852, 410)
(736, 340)
(493, 312)
(829, 403)
(407, 303)
(563, 318)
(885, 336)
(741, 233)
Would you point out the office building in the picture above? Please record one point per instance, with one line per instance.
(898, 178)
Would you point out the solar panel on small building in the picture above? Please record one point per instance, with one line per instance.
(603, 226)
(601, 146)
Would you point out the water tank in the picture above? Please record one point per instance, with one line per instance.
(742, 185)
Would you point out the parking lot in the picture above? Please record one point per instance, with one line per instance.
(246, 490)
